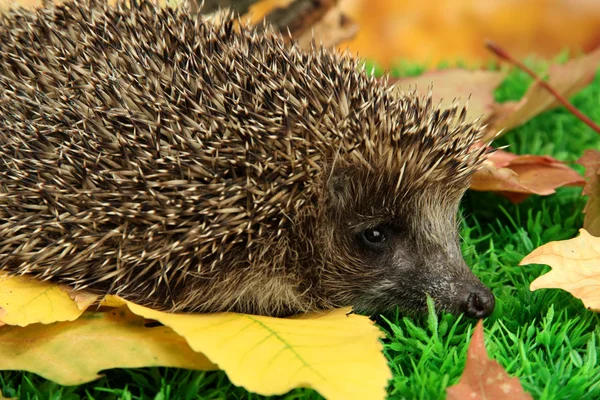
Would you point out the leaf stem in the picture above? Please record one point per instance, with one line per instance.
(503, 54)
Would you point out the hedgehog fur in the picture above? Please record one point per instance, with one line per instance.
(189, 165)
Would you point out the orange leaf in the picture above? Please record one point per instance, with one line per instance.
(449, 84)
(484, 378)
(567, 79)
(517, 177)
(575, 267)
(591, 161)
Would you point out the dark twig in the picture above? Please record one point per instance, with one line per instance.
(300, 15)
(240, 6)
(500, 52)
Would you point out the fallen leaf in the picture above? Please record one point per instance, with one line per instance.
(83, 299)
(72, 353)
(483, 378)
(25, 301)
(475, 86)
(430, 32)
(518, 176)
(567, 79)
(591, 161)
(334, 28)
(575, 267)
(337, 354)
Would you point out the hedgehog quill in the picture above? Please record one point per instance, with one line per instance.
(203, 166)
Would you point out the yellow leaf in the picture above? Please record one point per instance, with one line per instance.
(25, 301)
(337, 354)
(112, 301)
(575, 267)
(82, 299)
(72, 353)
(333, 352)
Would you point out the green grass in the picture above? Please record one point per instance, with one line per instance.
(546, 338)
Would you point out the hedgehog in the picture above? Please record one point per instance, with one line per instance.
(195, 165)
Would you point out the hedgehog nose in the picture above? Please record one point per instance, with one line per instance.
(479, 303)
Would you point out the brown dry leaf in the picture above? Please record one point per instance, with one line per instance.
(517, 177)
(483, 378)
(575, 267)
(334, 28)
(72, 353)
(567, 79)
(476, 86)
(591, 161)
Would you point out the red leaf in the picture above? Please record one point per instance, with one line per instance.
(483, 378)
(476, 86)
(517, 177)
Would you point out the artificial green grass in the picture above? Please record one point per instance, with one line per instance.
(546, 338)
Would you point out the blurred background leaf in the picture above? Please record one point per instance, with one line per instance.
(430, 32)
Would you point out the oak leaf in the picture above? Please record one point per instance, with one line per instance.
(518, 176)
(575, 267)
(483, 378)
(475, 86)
(591, 161)
(567, 79)
(25, 301)
(72, 353)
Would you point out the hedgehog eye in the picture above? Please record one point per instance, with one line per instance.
(374, 236)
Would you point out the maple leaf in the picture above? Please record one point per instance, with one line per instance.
(483, 378)
(475, 86)
(575, 267)
(591, 161)
(567, 79)
(518, 176)
(72, 353)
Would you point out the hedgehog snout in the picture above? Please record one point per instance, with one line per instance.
(479, 302)
(446, 277)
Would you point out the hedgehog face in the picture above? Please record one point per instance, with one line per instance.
(391, 248)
